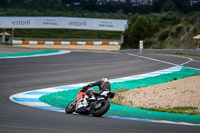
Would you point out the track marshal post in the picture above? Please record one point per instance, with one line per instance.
(141, 46)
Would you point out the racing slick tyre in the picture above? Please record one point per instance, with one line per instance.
(70, 107)
(105, 105)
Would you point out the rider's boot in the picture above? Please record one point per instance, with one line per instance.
(91, 96)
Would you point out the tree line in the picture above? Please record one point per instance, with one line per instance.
(164, 25)
(182, 5)
(168, 29)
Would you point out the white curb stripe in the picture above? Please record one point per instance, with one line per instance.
(49, 42)
(23, 95)
(33, 42)
(65, 43)
(35, 104)
(75, 86)
(38, 55)
(32, 94)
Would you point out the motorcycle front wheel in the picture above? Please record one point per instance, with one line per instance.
(105, 105)
(70, 107)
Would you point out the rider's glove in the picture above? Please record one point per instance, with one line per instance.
(84, 88)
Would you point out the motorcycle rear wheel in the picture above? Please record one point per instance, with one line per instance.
(70, 107)
(102, 110)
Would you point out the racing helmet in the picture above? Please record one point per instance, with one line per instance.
(105, 79)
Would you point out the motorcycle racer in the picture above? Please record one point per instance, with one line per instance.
(103, 85)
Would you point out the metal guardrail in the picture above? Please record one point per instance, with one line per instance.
(165, 51)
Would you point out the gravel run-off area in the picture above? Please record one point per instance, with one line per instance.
(178, 93)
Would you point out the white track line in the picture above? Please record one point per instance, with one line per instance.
(153, 59)
(190, 60)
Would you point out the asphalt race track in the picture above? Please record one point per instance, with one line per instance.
(24, 74)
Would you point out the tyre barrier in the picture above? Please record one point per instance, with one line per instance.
(66, 42)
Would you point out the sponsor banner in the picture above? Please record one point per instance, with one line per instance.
(63, 23)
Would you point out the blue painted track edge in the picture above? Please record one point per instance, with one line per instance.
(31, 98)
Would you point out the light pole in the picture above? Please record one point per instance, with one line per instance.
(4, 35)
(12, 36)
(122, 37)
